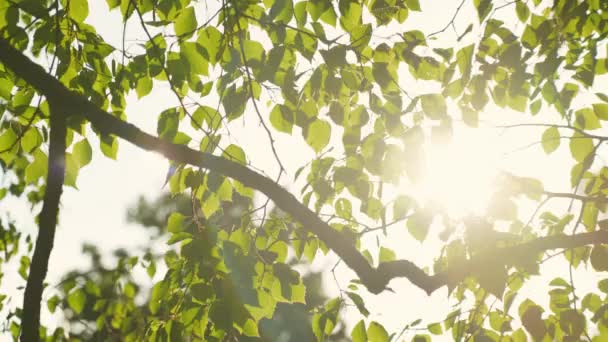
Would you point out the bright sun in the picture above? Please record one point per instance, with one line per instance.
(459, 176)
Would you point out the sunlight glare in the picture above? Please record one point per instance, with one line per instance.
(459, 176)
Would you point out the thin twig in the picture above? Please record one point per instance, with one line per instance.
(578, 130)
(449, 23)
(162, 64)
(255, 104)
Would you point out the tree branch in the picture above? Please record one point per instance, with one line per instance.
(109, 124)
(582, 198)
(47, 222)
(521, 254)
(375, 279)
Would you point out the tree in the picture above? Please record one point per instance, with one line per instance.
(348, 69)
(80, 290)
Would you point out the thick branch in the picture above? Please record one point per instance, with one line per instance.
(374, 279)
(108, 124)
(47, 222)
(521, 254)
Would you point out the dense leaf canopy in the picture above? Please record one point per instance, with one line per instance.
(364, 92)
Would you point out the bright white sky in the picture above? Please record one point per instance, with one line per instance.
(96, 212)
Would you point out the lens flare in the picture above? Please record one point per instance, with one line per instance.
(459, 176)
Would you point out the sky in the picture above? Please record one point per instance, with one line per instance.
(96, 212)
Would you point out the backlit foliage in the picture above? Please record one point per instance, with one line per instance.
(365, 91)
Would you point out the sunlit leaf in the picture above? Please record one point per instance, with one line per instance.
(318, 134)
(580, 146)
(76, 300)
(78, 10)
(434, 106)
(185, 22)
(551, 139)
(376, 333)
(82, 152)
(235, 153)
(359, 333)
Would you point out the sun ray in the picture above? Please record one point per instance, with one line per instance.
(459, 176)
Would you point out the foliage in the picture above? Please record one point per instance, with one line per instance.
(366, 102)
(114, 295)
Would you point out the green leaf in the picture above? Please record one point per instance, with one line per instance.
(601, 110)
(76, 300)
(386, 255)
(329, 16)
(586, 119)
(210, 39)
(599, 258)
(7, 139)
(185, 23)
(109, 146)
(177, 237)
(71, 170)
(235, 153)
(175, 222)
(38, 168)
(250, 328)
(82, 152)
(318, 134)
(359, 334)
(31, 139)
(413, 5)
(78, 10)
(359, 303)
(373, 208)
(280, 249)
(298, 293)
(143, 87)
(360, 36)
(376, 333)
(24, 266)
(208, 115)
(580, 147)
(52, 303)
(572, 322)
(351, 14)
(418, 225)
(531, 319)
(483, 8)
(254, 52)
(522, 10)
(281, 11)
(316, 8)
(305, 44)
(6, 85)
(282, 118)
(434, 106)
(464, 57)
(435, 328)
(210, 205)
(535, 107)
(590, 213)
(300, 13)
(550, 140)
(168, 124)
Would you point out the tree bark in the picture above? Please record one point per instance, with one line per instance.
(47, 223)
